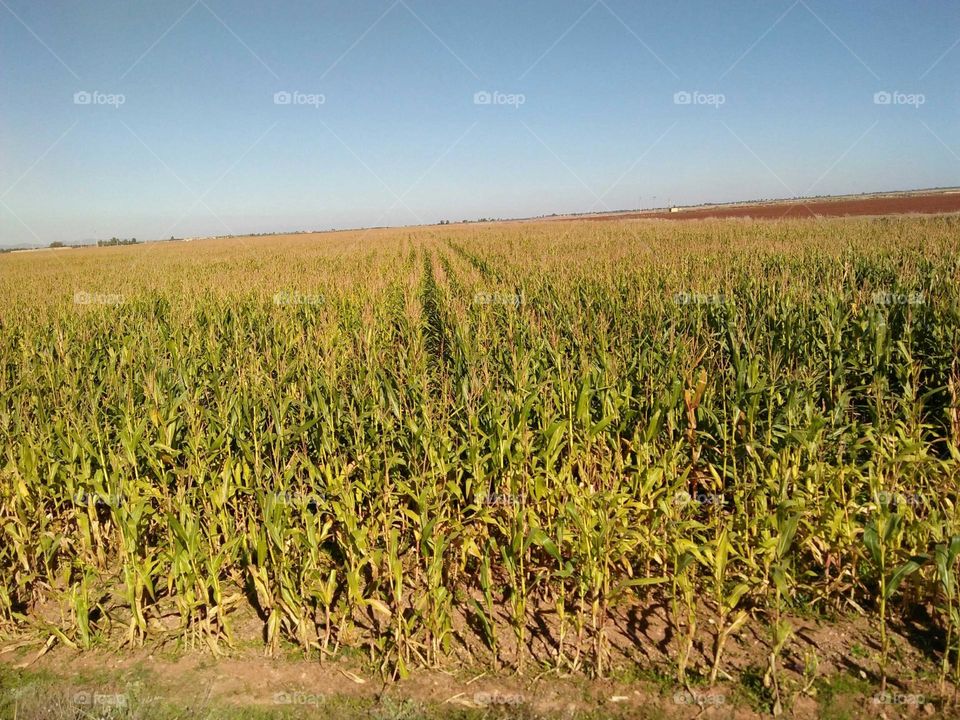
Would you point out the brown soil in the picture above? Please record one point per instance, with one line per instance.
(639, 683)
(927, 203)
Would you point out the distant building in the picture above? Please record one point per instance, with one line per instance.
(674, 209)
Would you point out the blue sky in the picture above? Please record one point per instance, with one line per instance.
(181, 131)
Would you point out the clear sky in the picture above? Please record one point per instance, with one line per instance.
(152, 119)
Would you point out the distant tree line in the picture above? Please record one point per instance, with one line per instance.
(479, 220)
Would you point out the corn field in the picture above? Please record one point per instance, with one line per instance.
(386, 440)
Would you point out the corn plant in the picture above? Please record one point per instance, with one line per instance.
(392, 440)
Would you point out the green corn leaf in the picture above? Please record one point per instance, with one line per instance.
(901, 572)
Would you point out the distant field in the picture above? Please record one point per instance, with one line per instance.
(932, 203)
(720, 455)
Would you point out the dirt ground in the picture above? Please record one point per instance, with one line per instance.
(829, 670)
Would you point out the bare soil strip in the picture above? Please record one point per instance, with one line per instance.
(928, 204)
